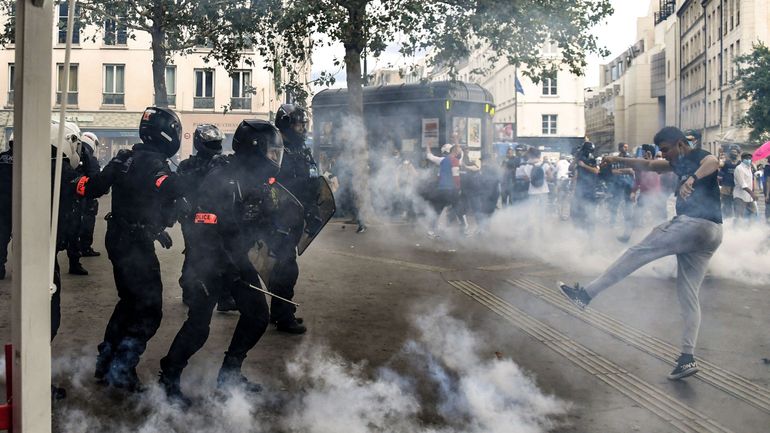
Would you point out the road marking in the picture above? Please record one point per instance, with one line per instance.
(679, 415)
(724, 380)
(400, 263)
(506, 266)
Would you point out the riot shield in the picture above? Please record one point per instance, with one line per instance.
(317, 214)
(285, 216)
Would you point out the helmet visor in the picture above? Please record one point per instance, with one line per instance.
(274, 153)
(211, 134)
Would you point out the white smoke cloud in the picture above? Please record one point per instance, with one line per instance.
(329, 394)
(744, 253)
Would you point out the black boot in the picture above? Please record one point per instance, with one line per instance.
(77, 269)
(90, 252)
(125, 379)
(2, 272)
(293, 326)
(230, 376)
(103, 361)
(58, 393)
(170, 384)
(226, 303)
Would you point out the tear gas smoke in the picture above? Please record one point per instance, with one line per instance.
(477, 393)
(514, 232)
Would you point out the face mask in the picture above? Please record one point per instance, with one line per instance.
(691, 143)
(747, 162)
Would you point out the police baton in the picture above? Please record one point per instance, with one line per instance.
(259, 289)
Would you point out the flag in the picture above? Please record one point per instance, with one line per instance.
(519, 88)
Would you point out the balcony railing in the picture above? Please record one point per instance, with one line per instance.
(667, 8)
(72, 98)
(203, 102)
(113, 98)
(240, 103)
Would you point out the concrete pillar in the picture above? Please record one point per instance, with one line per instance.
(31, 306)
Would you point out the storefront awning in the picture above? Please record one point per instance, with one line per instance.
(115, 133)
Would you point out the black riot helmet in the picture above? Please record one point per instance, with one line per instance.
(161, 128)
(207, 140)
(292, 121)
(259, 141)
(588, 148)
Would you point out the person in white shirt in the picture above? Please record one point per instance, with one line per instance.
(743, 192)
(562, 186)
(536, 172)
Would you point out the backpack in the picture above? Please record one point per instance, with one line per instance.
(537, 176)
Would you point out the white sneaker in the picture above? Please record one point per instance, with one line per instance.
(432, 234)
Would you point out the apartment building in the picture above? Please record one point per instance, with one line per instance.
(548, 114)
(711, 35)
(626, 107)
(111, 83)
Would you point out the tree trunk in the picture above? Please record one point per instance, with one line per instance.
(159, 59)
(354, 139)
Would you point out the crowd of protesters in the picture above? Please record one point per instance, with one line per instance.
(574, 187)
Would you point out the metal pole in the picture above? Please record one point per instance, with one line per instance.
(31, 301)
(515, 104)
(259, 289)
(60, 139)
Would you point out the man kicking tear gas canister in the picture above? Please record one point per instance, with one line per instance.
(693, 235)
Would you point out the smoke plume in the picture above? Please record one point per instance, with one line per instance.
(469, 390)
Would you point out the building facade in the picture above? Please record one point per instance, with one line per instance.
(548, 114)
(626, 107)
(687, 73)
(111, 84)
(710, 35)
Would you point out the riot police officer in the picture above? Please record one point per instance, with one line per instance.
(143, 193)
(233, 205)
(6, 209)
(297, 172)
(82, 216)
(91, 206)
(66, 198)
(207, 142)
(587, 178)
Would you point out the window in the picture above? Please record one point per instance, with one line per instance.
(204, 89)
(549, 124)
(72, 88)
(171, 85)
(240, 99)
(11, 76)
(549, 85)
(12, 23)
(114, 85)
(115, 32)
(63, 24)
(550, 48)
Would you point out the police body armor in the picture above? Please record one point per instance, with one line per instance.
(300, 175)
(275, 220)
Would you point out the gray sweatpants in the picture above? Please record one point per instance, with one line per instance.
(694, 241)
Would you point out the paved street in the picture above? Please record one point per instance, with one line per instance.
(405, 331)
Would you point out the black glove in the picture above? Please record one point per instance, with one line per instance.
(183, 208)
(164, 239)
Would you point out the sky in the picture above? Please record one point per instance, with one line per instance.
(617, 33)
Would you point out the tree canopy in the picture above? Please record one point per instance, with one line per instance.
(753, 76)
(451, 30)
